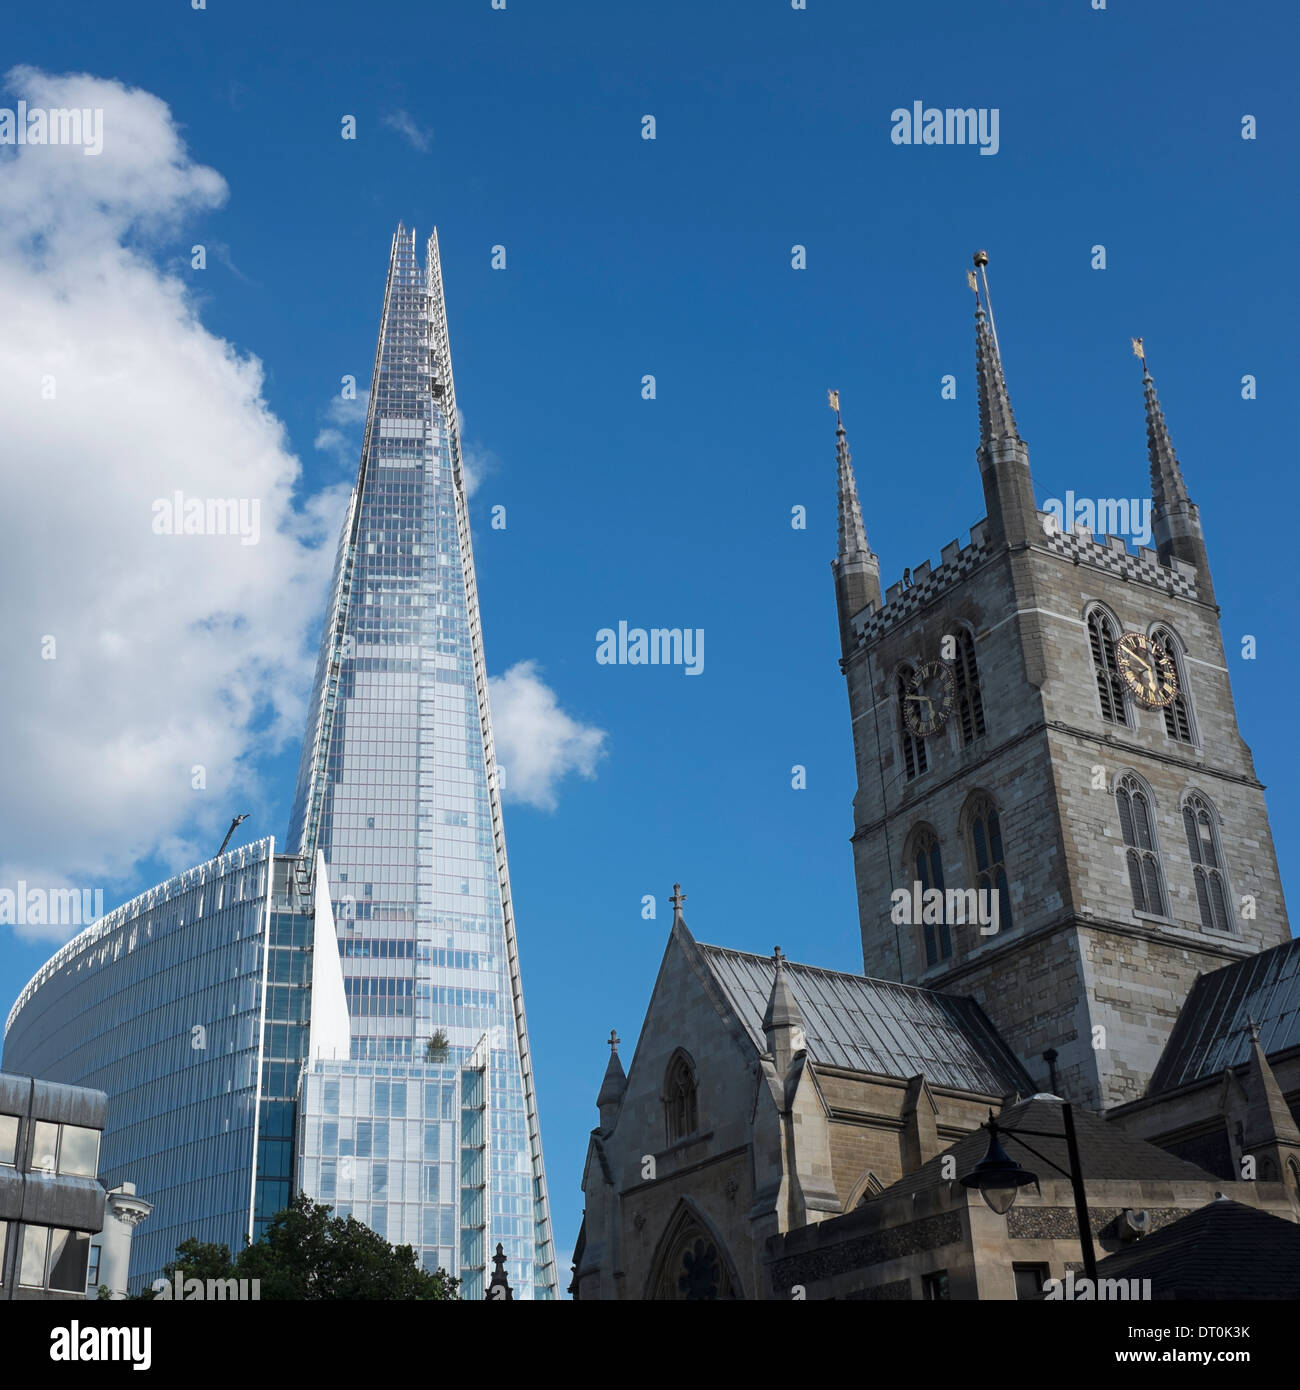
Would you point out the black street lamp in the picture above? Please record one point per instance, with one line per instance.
(999, 1178)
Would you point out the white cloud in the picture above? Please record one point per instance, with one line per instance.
(537, 744)
(404, 123)
(169, 651)
(476, 462)
(344, 429)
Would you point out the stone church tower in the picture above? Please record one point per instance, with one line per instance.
(1046, 716)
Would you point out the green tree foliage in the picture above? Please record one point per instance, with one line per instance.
(309, 1254)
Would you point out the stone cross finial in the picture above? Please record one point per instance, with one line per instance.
(614, 1040)
(677, 898)
(1253, 1026)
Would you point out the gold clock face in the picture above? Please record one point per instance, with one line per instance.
(1147, 669)
(928, 698)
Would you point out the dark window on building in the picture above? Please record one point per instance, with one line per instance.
(54, 1259)
(970, 703)
(915, 758)
(989, 856)
(1101, 636)
(934, 1287)
(928, 863)
(1201, 824)
(1029, 1280)
(1142, 853)
(681, 1105)
(92, 1274)
(1178, 712)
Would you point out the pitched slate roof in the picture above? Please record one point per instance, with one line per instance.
(875, 1026)
(1213, 1029)
(1105, 1151)
(1225, 1250)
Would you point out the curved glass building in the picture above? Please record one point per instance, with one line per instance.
(193, 1007)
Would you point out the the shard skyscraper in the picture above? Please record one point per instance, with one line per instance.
(437, 1148)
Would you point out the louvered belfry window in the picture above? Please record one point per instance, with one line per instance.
(1101, 636)
(970, 702)
(1178, 712)
(915, 758)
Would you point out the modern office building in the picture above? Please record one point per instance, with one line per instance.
(51, 1203)
(192, 1008)
(398, 790)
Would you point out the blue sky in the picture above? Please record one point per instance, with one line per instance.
(672, 257)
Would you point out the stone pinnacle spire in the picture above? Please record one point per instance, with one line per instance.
(856, 568)
(852, 532)
(997, 420)
(782, 1019)
(1167, 487)
(613, 1086)
(1002, 455)
(782, 1007)
(1175, 518)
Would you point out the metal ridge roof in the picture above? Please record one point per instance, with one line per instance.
(1213, 1032)
(876, 1026)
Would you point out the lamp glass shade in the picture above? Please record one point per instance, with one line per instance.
(998, 1177)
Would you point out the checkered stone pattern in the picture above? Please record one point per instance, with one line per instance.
(929, 586)
(1081, 548)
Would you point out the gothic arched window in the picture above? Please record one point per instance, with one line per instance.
(1101, 637)
(681, 1108)
(1142, 852)
(988, 856)
(1178, 712)
(970, 703)
(915, 758)
(1200, 821)
(928, 863)
(691, 1263)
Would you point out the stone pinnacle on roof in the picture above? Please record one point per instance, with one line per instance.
(677, 898)
(615, 1082)
(1268, 1117)
(782, 1007)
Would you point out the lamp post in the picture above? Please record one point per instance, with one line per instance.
(999, 1178)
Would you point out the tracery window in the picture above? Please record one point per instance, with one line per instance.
(681, 1105)
(1200, 821)
(1142, 853)
(988, 855)
(928, 863)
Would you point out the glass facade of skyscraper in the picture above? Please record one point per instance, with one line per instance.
(397, 785)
